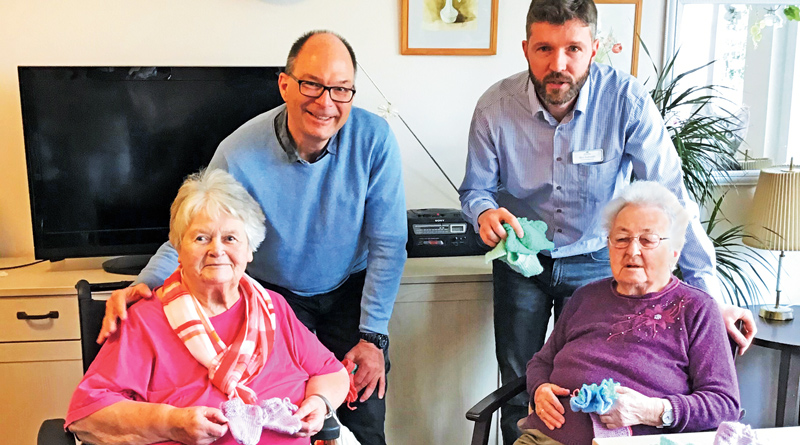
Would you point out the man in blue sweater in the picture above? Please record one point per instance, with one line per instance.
(328, 178)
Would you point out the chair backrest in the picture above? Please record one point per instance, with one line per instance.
(734, 345)
(91, 314)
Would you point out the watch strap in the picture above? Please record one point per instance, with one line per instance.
(379, 340)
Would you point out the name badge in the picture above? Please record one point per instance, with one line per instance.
(587, 156)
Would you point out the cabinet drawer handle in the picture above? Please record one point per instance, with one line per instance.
(25, 316)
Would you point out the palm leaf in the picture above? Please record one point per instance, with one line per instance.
(737, 264)
(707, 145)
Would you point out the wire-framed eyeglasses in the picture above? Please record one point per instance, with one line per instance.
(313, 89)
(646, 240)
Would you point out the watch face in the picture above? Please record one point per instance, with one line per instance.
(667, 418)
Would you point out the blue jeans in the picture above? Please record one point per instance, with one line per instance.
(522, 310)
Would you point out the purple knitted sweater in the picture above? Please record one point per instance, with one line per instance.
(670, 344)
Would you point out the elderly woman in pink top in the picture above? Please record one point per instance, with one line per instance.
(216, 357)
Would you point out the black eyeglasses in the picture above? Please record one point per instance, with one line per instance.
(315, 90)
(646, 240)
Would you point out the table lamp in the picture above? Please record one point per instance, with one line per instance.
(774, 222)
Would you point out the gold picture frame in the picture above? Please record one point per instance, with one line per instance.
(618, 25)
(448, 27)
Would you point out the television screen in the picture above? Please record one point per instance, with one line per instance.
(108, 147)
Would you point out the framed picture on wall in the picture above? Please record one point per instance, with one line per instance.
(448, 27)
(618, 23)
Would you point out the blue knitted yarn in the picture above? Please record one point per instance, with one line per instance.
(595, 398)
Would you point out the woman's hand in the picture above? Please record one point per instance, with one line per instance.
(548, 407)
(311, 413)
(197, 425)
(633, 408)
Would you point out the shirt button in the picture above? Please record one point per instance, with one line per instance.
(558, 187)
(558, 210)
(558, 159)
(558, 230)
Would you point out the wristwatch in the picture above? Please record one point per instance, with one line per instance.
(379, 340)
(667, 418)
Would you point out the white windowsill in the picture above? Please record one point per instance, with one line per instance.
(736, 177)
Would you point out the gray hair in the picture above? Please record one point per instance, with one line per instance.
(215, 192)
(649, 193)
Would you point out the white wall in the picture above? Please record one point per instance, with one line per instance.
(435, 94)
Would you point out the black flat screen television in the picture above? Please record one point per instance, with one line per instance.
(108, 147)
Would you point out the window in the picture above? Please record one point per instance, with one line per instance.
(753, 46)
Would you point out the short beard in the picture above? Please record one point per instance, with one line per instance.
(558, 98)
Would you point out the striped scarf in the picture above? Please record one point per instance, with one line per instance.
(230, 367)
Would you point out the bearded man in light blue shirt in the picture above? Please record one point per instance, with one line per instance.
(555, 144)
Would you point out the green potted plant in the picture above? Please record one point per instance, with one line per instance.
(707, 142)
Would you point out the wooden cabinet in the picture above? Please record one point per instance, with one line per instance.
(441, 350)
(40, 360)
(37, 381)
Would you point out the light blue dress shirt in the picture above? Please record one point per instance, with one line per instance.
(521, 158)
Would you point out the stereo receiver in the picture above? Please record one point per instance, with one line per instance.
(441, 232)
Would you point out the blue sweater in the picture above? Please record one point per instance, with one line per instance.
(325, 220)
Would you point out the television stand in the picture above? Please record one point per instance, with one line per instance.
(126, 265)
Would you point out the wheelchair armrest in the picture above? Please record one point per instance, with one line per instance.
(329, 431)
(483, 410)
(51, 432)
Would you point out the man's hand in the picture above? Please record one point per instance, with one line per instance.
(117, 307)
(633, 408)
(548, 407)
(730, 315)
(197, 425)
(311, 413)
(371, 372)
(491, 229)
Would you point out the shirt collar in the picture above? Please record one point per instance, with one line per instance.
(290, 147)
(580, 105)
(536, 106)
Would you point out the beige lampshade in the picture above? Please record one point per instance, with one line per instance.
(775, 214)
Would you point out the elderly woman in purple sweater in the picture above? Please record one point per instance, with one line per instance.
(660, 338)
